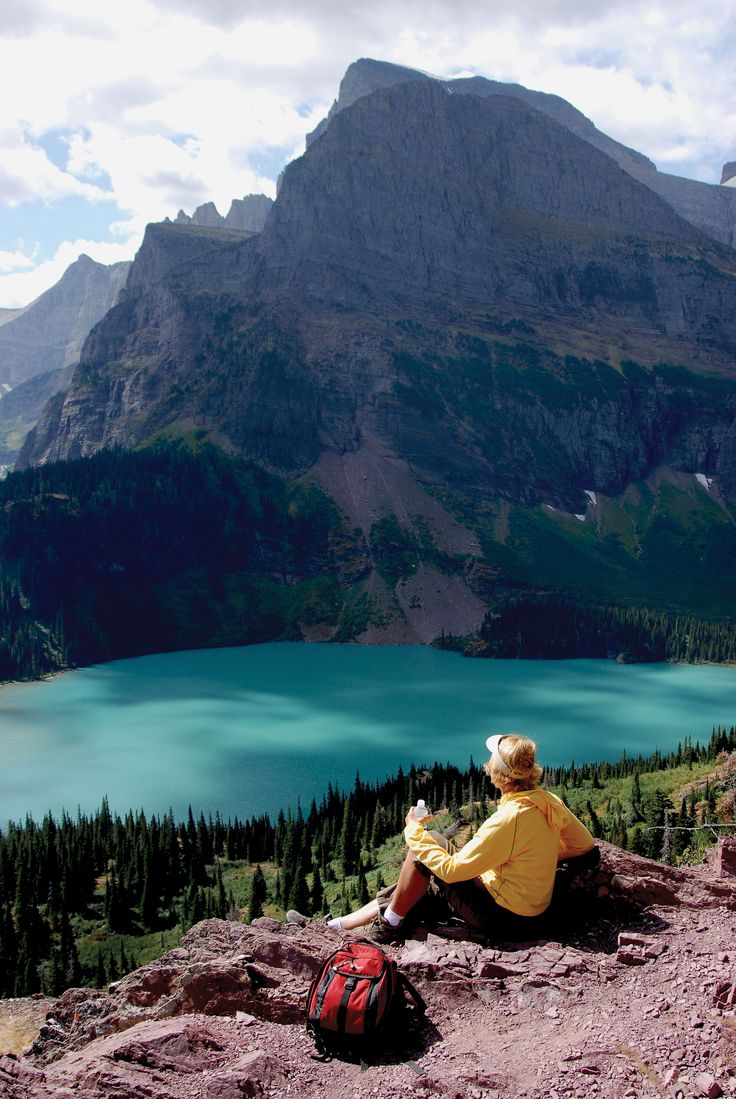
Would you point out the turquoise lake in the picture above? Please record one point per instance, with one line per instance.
(248, 730)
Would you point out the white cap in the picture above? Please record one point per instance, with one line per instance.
(498, 761)
(493, 744)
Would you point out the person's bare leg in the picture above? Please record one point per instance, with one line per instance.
(410, 888)
(360, 917)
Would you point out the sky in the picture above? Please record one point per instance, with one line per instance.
(115, 115)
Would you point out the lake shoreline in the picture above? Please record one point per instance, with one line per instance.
(48, 677)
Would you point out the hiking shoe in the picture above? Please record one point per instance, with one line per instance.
(380, 931)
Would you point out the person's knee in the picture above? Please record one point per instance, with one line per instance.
(448, 845)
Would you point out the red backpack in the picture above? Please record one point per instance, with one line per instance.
(353, 997)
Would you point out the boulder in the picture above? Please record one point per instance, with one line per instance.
(254, 1073)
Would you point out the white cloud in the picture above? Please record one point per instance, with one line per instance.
(14, 261)
(27, 174)
(21, 287)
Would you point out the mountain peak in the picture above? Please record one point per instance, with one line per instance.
(710, 208)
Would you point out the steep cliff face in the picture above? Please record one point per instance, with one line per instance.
(49, 333)
(416, 198)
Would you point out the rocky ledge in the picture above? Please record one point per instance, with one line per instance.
(637, 999)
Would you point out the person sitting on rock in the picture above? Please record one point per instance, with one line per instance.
(501, 882)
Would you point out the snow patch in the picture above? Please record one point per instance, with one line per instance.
(580, 517)
(550, 507)
(706, 482)
(592, 497)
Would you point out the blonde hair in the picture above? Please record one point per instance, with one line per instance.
(518, 753)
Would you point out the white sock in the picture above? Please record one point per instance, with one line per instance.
(391, 918)
(335, 925)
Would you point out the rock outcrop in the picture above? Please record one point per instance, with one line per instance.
(248, 214)
(636, 993)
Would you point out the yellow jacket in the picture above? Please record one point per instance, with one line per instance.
(514, 853)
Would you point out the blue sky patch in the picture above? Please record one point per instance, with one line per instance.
(47, 225)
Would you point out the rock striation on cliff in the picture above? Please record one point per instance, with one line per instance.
(638, 998)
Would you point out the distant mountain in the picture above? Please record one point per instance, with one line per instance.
(40, 343)
(49, 333)
(506, 361)
(21, 406)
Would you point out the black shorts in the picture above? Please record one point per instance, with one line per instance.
(471, 901)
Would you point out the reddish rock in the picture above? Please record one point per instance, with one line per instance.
(725, 994)
(539, 995)
(18, 1079)
(724, 863)
(253, 1074)
(629, 955)
(179, 1045)
(150, 983)
(499, 969)
(706, 1084)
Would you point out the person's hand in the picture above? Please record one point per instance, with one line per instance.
(411, 819)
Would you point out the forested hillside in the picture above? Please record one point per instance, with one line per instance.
(173, 547)
(549, 630)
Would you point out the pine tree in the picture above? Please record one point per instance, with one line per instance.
(149, 894)
(347, 848)
(101, 970)
(363, 895)
(317, 898)
(221, 901)
(258, 895)
(298, 897)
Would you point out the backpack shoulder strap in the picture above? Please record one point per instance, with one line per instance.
(412, 993)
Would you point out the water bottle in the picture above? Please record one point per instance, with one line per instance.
(420, 810)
